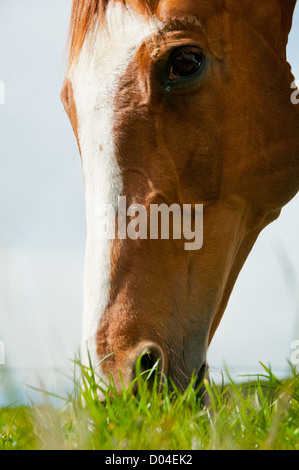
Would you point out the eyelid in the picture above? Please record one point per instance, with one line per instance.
(170, 52)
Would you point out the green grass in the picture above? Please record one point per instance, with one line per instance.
(262, 415)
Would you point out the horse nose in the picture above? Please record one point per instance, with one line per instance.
(149, 357)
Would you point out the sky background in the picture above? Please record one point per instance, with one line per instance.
(42, 235)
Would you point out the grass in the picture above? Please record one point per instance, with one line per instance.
(262, 414)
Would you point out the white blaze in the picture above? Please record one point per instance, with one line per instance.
(95, 78)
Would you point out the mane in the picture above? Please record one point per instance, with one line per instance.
(86, 14)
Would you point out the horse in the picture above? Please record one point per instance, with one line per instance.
(183, 104)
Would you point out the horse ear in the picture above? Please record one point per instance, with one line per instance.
(287, 10)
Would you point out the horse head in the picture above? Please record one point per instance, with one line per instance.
(176, 104)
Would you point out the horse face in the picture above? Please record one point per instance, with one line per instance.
(188, 106)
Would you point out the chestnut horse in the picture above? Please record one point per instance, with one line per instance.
(186, 103)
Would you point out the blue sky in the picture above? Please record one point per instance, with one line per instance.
(42, 236)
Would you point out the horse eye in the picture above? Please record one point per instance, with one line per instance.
(185, 64)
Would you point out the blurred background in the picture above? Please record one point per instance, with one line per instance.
(42, 236)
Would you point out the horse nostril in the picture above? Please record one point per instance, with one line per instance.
(150, 359)
(147, 362)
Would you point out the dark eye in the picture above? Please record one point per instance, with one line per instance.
(184, 64)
